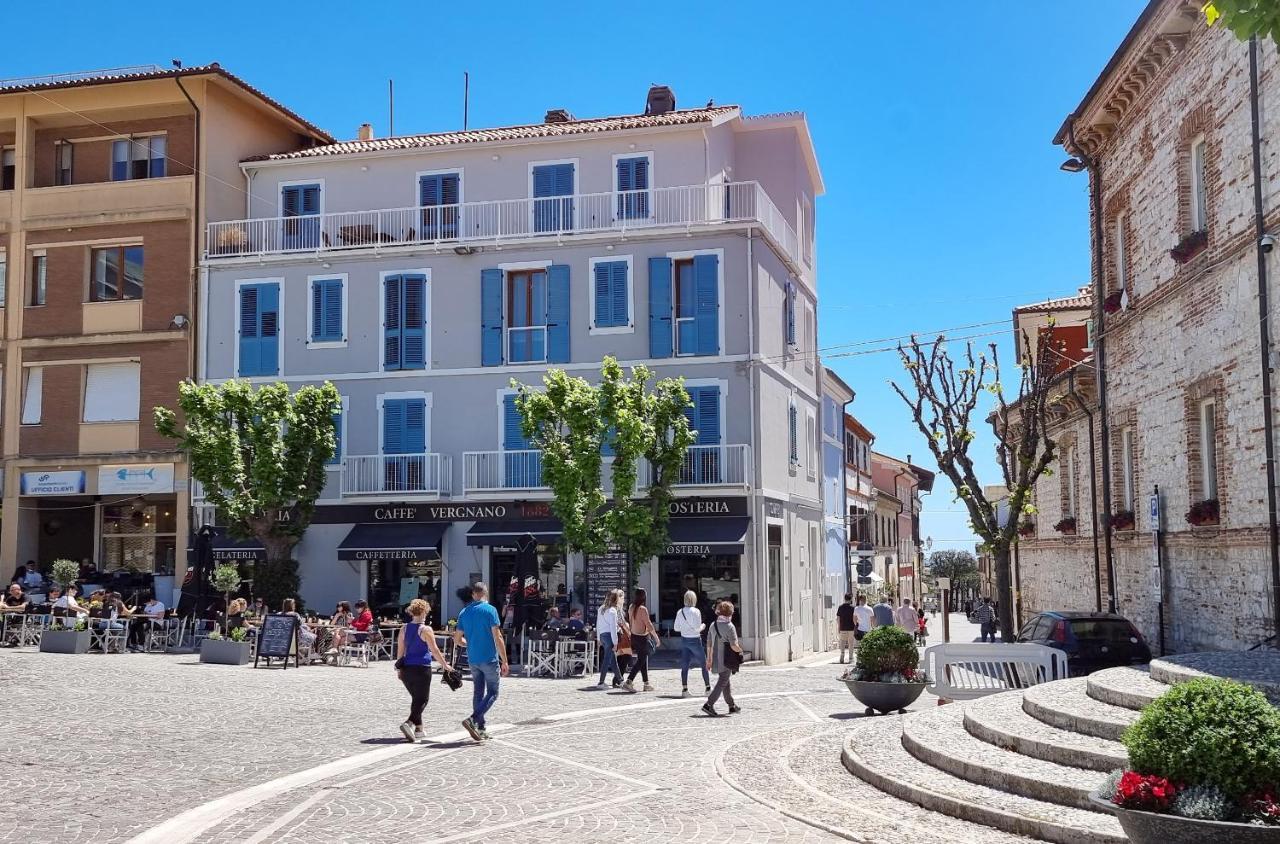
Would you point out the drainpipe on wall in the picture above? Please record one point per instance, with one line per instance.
(1264, 336)
(1093, 488)
(198, 221)
(1099, 351)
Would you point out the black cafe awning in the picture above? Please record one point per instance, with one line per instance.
(225, 549)
(510, 532)
(720, 535)
(404, 541)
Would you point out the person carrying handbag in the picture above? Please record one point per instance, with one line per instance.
(643, 635)
(414, 652)
(724, 657)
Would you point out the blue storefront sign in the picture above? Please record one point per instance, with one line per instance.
(53, 483)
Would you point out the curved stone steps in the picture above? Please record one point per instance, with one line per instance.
(874, 752)
(1130, 688)
(1260, 669)
(1001, 721)
(938, 737)
(1066, 704)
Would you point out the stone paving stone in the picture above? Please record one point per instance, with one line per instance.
(1000, 720)
(1260, 669)
(1132, 688)
(1066, 704)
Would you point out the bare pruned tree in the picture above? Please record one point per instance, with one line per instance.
(943, 400)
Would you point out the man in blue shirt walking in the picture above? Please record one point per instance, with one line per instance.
(479, 629)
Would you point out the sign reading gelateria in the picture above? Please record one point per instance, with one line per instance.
(53, 483)
(135, 478)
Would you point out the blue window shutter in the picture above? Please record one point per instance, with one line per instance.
(413, 322)
(393, 414)
(621, 302)
(491, 317)
(602, 284)
(333, 309)
(268, 329)
(249, 330)
(793, 434)
(317, 310)
(415, 426)
(310, 199)
(660, 341)
(626, 174)
(429, 190)
(707, 295)
(691, 411)
(709, 416)
(563, 174)
(337, 435)
(558, 313)
(290, 201)
(544, 181)
(791, 314)
(392, 358)
(512, 432)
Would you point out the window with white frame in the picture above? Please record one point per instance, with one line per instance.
(4, 277)
(793, 434)
(138, 158)
(611, 292)
(1070, 470)
(1121, 247)
(1199, 199)
(810, 444)
(1208, 450)
(527, 316)
(1127, 479)
(33, 396)
(111, 392)
(810, 337)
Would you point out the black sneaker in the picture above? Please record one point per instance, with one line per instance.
(734, 710)
(710, 710)
(472, 729)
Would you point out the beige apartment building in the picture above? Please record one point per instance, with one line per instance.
(107, 181)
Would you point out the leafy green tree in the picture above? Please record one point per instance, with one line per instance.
(572, 422)
(1246, 18)
(960, 566)
(260, 455)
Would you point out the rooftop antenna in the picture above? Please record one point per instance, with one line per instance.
(176, 63)
(466, 98)
(391, 108)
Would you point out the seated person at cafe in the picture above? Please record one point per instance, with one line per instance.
(33, 579)
(235, 614)
(152, 614)
(260, 608)
(113, 605)
(306, 636)
(554, 621)
(575, 621)
(340, 620)
(87, 569)
(362, 622)
(13, 602)
(64, 605)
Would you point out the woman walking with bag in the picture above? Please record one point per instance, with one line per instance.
(607, 632)
(724, 656)
(414, 653)
(642, 636)
(688, 624)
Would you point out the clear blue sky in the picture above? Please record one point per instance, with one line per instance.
(944, 207)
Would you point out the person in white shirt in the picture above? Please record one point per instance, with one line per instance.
(906, 617)
(71, 612)
(688, 623)
(152, 615)
(607, 634)
(32, 579)
(865, 617)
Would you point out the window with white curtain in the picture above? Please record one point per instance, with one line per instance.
(111, 392)
(33, 396)
(1208, 451)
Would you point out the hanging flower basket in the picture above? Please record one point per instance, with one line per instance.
(1123, 520)
(1113, 303)
(1204, 513)
(1067, 526)
(1189, 247)
(1027, 529)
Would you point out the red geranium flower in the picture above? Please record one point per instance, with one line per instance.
(1262, 806)
(1144, 792)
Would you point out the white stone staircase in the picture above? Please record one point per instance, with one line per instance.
(1024, 762)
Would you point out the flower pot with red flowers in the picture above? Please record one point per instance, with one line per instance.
(1026, 529)
(1203, 512)
(886, 678)
(1113, 303)
(1190, 246)
(1204, 766)
(1067, 526)
(1123, 520)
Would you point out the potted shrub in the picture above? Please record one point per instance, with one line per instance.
(1123, 520)
(1026, 529)
(218, 650)
(1204, 766)
(885, 677)
(1067, 526)
(62, 641)
(64, 573)
(1204, 512)
(1189, 247)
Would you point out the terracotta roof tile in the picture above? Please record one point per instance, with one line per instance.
(1082, 299)
(511, 133)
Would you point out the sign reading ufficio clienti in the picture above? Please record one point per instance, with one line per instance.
(135, 478)
(53, 483)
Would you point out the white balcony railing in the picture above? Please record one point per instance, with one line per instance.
(496, 471)
(397, 474)
(707, 465)
(505, 220)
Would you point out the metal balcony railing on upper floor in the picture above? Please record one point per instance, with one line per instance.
(397, 474)
(507, 220)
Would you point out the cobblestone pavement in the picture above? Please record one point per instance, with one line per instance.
(158, 747)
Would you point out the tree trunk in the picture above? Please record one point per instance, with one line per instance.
(1004, 591)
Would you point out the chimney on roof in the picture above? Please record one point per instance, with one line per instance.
(557, 115)
(660, 101)
(365, 132)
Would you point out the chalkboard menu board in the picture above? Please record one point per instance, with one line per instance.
(278, 639)
(605, 572)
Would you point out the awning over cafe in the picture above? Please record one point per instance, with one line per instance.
(720, 535)
(225, 549)
(512, 531)
(403, 541)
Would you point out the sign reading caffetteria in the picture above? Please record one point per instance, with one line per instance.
(53, 483)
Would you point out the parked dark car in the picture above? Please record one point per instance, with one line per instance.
(1091, 640)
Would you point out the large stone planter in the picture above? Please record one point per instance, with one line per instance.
(224, 652)
(884, 697)
(64, 641)
(1155, 828)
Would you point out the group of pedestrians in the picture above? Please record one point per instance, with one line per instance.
(855, 620)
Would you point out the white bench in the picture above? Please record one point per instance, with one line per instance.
(969, 671)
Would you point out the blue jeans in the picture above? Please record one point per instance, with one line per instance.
(484, 689)
(692, 653)
(608, 659)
